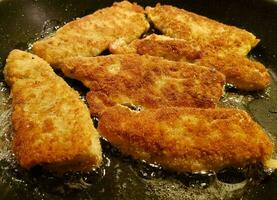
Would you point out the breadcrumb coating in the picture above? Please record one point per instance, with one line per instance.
(187, 139)
(147, 81)
(51, 125)
(243, 73)
(179, 23)
(92, 34)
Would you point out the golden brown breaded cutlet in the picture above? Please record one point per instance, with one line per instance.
(92, 34)
(179, 23)
(147, 81)
(158, 45)
(187, 139)
(52, 126)
(240, 71)
(243, 73)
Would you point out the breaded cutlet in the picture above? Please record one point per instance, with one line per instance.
(187, 139)
(51, 125)
(148, 81)
(179, 23)
(243, 73)
(158, 45)
(92, 34)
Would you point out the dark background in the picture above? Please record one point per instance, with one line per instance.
(23, 21)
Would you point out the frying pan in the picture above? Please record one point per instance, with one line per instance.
(120, 177)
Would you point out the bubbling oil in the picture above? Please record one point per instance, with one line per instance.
(5, 122)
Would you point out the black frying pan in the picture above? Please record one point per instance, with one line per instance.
(23, 21)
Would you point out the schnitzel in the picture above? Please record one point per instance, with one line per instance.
(243, 73)
(179, 23)
(92, 34)
(187, 139)
(158, 45)
(51, 125)
(147, 81)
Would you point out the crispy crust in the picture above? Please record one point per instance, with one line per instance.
(179, 23)
(158, 45)
(187, 139)
(52, 126)
(92, 34)
(21, 65)
(243, 73)
(240, 71)
(148, 81)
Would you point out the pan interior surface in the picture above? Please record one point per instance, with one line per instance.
(22, 22)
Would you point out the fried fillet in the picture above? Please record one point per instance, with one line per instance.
(187, 139)
(92, 34)
(240, 71)
(158, 45)
(52, 126)
(179, 23)
(147, 81)
(243, 73)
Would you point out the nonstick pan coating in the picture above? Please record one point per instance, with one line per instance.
(24, 21)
